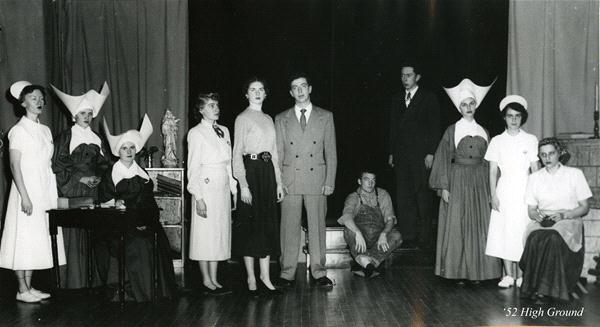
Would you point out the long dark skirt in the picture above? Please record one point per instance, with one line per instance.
(256, 226)
(138, 262)
(549, 267)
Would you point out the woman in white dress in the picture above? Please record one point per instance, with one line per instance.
(26, 242)
(210, 182)
(513, 156)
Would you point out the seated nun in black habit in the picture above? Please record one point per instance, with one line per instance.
(131, 188)
(80, 159)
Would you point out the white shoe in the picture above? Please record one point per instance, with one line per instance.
(39, 294)
(506, 282)
(519, 282)
(27, 297)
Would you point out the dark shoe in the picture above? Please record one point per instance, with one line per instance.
(368, 270)
(460, 283)
(216, 292)
(282, 282)
(264, 290)
(252, 293)
(221, 291)
(324, 282)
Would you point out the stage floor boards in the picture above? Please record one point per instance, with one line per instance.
(407, 295)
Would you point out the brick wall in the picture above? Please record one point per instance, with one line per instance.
(585, 155)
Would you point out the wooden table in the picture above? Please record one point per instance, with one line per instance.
(107, 219)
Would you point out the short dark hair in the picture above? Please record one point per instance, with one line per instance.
(29, 89)
(255, 79)
(201, 101)
(413, 65)
(563, 153)
(366, 170)
(516, 107)
(298, 75)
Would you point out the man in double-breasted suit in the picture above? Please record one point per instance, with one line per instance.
(307, 155)
(414, 136)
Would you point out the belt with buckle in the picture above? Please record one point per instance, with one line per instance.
(264, 156)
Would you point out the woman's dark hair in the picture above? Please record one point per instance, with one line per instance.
(516, 107)
(29, 89)
(201, 101)
(19, 110)
(563, 154)
(252, 80)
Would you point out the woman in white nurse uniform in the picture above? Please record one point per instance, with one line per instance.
(513, 156)
(26, 242)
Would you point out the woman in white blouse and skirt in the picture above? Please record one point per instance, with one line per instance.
(210, 182)
(255, 165)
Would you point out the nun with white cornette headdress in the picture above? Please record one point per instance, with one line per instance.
(80, 159)
(460, 176)
(130, 187)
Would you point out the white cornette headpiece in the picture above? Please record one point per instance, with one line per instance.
(17, 88)
(513, 98)
(89, 100)
(467, 89)
(138, 138)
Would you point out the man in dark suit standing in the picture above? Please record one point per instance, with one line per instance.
(414, 136)
(307, 155)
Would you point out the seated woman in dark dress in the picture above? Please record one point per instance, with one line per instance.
(80, 159)
(131, 188)
(557, 198)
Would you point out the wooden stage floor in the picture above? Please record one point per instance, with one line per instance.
(407, 295)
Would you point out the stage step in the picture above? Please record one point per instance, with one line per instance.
(337, 252)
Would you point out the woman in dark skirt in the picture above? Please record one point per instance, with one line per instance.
(255, 166)
(557, 198)
(80, 159)
(131, 188)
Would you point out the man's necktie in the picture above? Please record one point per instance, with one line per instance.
(218, 131)
(303, 119)
(407, 98)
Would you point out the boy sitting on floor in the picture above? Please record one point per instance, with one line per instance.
(368, 219)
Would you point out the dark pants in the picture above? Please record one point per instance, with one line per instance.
(414, 200)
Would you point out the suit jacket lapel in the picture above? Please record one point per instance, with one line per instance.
(414, 102)
(314, 122)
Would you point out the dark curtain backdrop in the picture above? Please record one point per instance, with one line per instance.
(138, 46)
(352, 50)
(23, 56)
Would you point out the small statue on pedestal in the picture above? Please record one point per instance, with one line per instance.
(169, 132)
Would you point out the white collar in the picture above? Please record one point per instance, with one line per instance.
(412, 92)
(464, 128)
(205, 123)
(558, 170)
(30, 122)
(80, 135)
(308, 108)
(120, 172)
